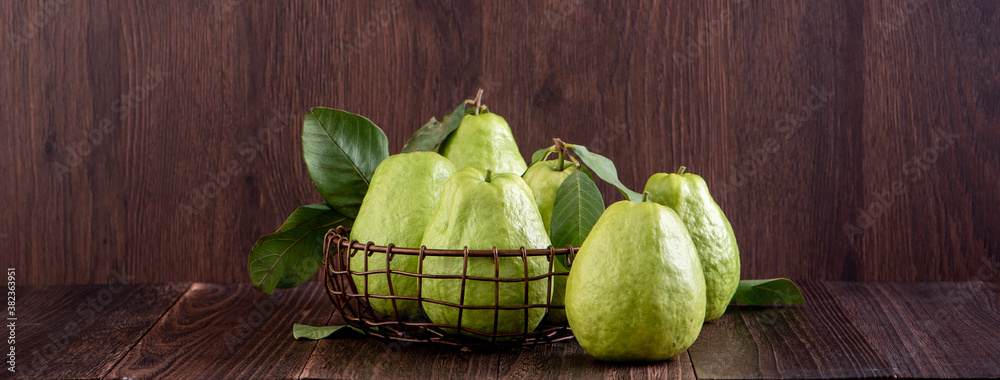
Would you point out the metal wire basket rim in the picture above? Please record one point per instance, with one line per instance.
(371, 247)
(450, 276)
(452, 304)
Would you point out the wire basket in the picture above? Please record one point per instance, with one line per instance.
(356, 309)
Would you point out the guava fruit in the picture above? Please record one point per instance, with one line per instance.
(484, 141)
(400, 200)
(544, 178)
(558, 316)
(482, 210)
(713, 236)
(636, 291)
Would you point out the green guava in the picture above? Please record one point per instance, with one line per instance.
(484, 142)
(713, 236)
(544, 178)
(482, 210)
(401, 197)
(636, 291)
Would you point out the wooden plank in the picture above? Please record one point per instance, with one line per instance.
(813, 340)
(229, 331)
(568, 360)
(928, 329)
(724, 87)
(359, 357)
(81, 331)
(992, 285)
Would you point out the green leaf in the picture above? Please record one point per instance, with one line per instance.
(429, 137)
(577, 206)
(293, 253)
(605, 169)
(320, 332)
(423, 139)
(583, 168)
(341, 151)
(763, 292)
(540, 155)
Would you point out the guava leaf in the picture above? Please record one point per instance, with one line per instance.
(293, 253)
(341, 151)
(577, 206)
(763, 292)
(429, 137)
(320, 332)
(604, 169)
(539, 155)
(583, 168)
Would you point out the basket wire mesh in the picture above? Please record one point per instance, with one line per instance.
(354, 304)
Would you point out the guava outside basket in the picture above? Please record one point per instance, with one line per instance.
(353, 304)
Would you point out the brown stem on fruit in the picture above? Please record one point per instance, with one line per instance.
(478, 101)
(561, 148)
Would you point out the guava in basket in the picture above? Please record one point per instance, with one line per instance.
(483, 210)
(401, 197)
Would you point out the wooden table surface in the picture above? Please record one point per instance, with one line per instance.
(199, 330)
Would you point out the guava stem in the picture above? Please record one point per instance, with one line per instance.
(561, 148)
(479, 100)
(681, 170)
(575, 162)
(489, 175)
(645, 196)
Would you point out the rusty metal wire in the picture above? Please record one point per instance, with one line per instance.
(355, 307)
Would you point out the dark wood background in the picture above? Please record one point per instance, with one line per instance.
(801, 115)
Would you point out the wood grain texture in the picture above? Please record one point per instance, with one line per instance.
(83, 331)
(993, 285)
(229, 331)
(568, 360)
(812, 341)
(929, 330)
(122, 118)
(858, 330)
(357, 357)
